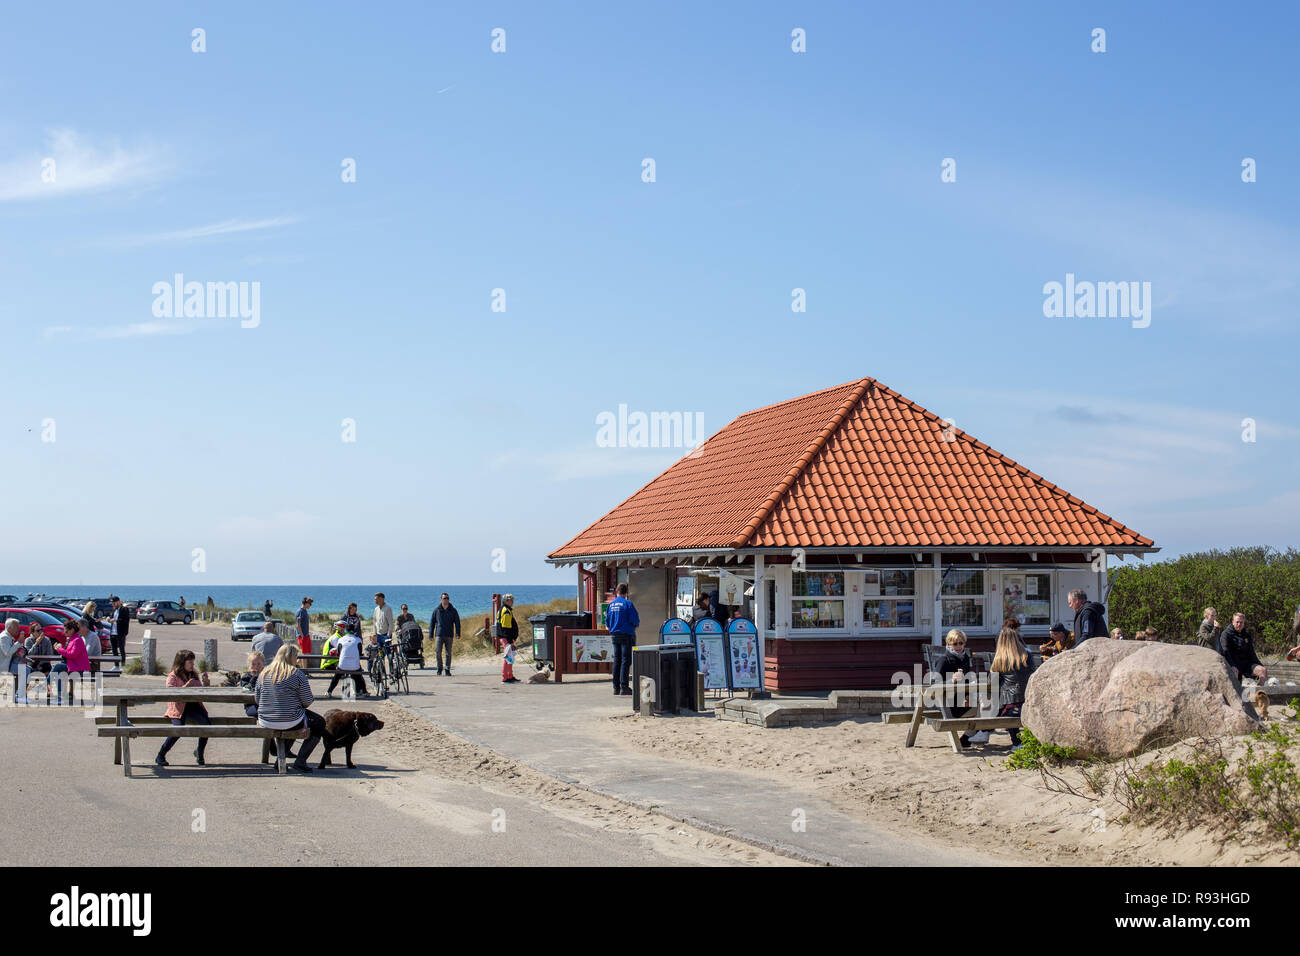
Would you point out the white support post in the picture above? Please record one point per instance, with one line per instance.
(936, 636)
(760, 622)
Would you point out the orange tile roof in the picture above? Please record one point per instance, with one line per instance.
(855, 466)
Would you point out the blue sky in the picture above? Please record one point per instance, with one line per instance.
(522, 171)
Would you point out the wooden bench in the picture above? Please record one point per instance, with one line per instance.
(954, 727)
(122, 729)
(904, 716)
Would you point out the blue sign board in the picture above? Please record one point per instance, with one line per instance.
(744, 654)
(675, 631)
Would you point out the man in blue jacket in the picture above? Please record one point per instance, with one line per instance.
(445, 627)
(622, 621)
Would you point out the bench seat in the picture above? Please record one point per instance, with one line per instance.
(231, 729)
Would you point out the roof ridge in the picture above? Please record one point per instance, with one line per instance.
(800, 398)
(994, 453)
(817, 444)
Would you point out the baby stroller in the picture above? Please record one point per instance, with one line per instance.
(412, 640)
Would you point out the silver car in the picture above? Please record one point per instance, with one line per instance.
(247, 625)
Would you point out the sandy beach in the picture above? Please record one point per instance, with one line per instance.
(862, 767)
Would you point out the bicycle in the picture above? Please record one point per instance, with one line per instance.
(398, 671)
(378, 671)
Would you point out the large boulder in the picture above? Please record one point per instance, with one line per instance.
(1116, 698)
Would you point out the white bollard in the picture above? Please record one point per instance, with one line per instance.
(149, 653)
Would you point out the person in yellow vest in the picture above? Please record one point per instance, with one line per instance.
(330, 652)
(508, 629)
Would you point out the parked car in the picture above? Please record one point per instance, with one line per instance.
(52, 625)
(163, 612)
(247, 625)
(65, 614)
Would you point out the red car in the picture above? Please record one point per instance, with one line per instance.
(50, 624)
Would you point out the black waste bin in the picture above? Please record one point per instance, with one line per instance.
(672, 666)
(544, 626)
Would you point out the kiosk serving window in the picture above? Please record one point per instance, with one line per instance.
(817, 600)
(889, 599)
(963, 599)
(1027, 597)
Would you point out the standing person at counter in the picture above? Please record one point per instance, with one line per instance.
(622, 620)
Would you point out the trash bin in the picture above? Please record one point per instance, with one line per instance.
(672, 666)
(544, 626)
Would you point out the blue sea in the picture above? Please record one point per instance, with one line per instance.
(470, 600)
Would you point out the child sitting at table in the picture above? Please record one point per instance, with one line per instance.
(249, 678)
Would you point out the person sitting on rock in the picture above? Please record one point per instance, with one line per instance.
(1058, 640)
(1237, 645)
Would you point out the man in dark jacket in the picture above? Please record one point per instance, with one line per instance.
(1089, 617)
(1237, 645)
(622, 620)
(445, 627)
(122, 617)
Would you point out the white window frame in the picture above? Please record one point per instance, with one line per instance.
(917, 597)
(982, 597)
(845, 599)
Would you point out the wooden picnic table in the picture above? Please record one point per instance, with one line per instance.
(929, 698)
(124, 730)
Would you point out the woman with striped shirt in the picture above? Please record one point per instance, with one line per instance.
(283, 695)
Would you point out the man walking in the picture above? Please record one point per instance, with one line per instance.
(121, 624)
(445, 627)
(622, 620)
(303, 621)
(1089, 617)
(383, 622)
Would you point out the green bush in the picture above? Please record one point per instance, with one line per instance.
(1261, 582)
(1211, 791)
(1034, 754)
(135, 666)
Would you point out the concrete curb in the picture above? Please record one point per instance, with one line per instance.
(717, 829)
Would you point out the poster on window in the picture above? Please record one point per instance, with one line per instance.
(743, 654)
(731, 589)
(1013, 597)
(871, 584)
(593, 649)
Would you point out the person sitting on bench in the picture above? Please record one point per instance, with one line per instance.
(1011, 661)
(349, 665)
(183, 674)
(956, 664)
(283, 695)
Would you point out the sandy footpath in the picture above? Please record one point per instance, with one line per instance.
(970, 800)
(418, 797)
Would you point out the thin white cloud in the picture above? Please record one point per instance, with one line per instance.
(129, 331)
(225, 228)
(71, 164)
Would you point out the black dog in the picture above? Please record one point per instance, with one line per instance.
(343, 728)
